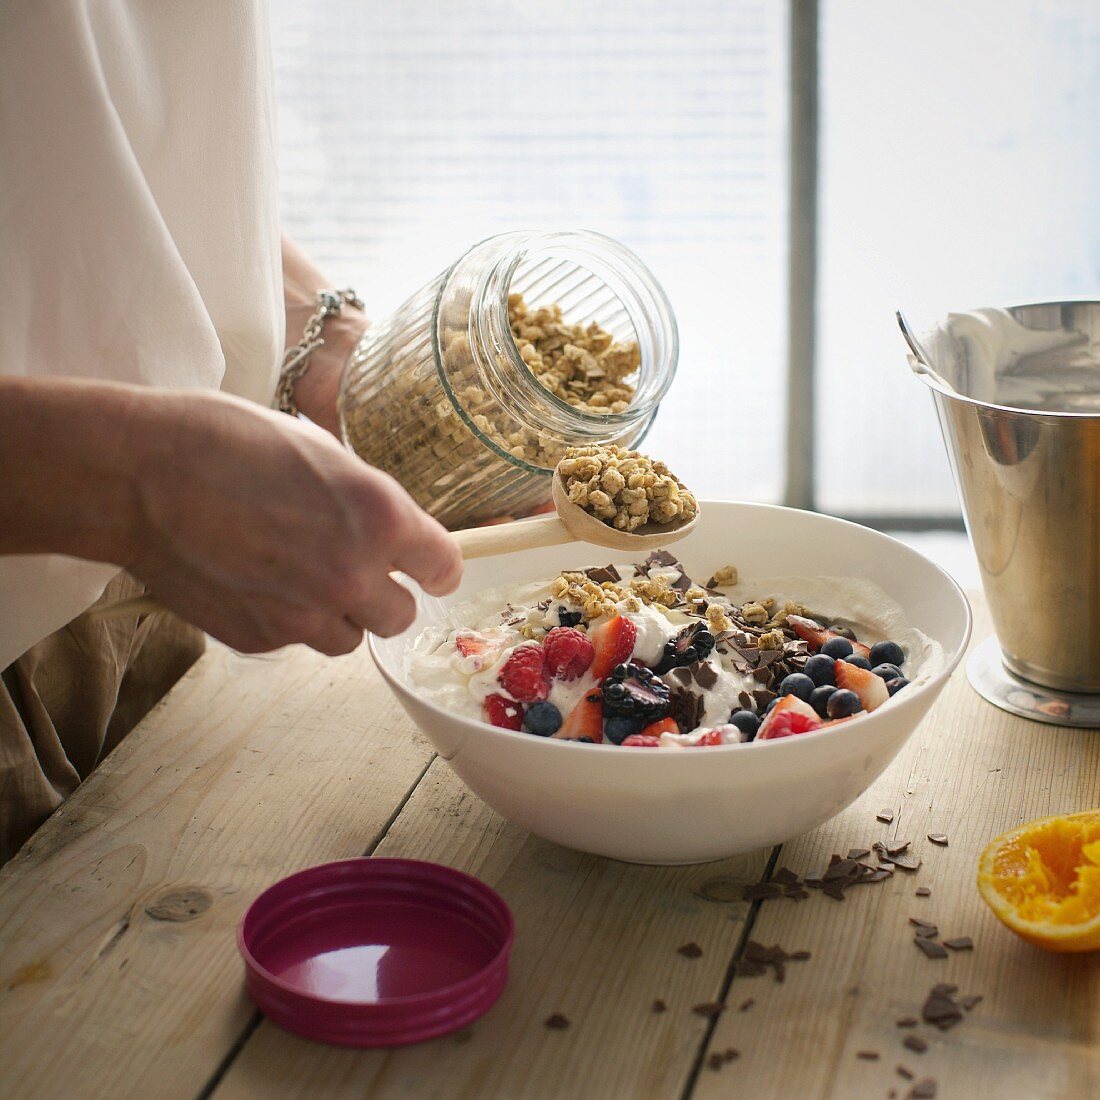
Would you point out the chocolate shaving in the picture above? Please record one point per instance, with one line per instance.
(749, 969)
(903, 1072)
(925, 1089)
(938, 838)
(885, 816)
(763, 697)
(706, 676)
(923, 892)
(658, 1006)
(971, 1000)
(663, 559)
(682, 583)
(603, 574)
(858, 853)
(709, 1009)
(786, 877)
(761, 891)
(762, 675)
(915, 1043)
(687, 708)
(907, 1021)
(959, 943)
(557, 1022)
(716, 1061)
(924, 927)
(800, 956)
(868, 1055)
(905, 862)
(930, 947)
(745, 699)
(744, 1006)
(690, 950)
(896, 848)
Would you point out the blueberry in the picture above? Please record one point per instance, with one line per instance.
(887, 653)
(542, 719)
(895, 685)
(842, 703)
(585, 741)
(844, 631)
(798, 683)
(837, 648)
(887, 671)
(746, 722)
(820, 698)
(619, 729)
(858, 661)
(821, 669)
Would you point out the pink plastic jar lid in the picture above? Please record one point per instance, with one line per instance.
(376, 952)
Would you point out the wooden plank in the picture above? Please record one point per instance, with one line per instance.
(596, 941)
(971, 772)
(252, 768)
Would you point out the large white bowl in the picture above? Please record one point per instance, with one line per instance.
(670, 806)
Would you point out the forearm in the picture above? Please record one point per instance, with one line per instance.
(316, 392)
(68, 468)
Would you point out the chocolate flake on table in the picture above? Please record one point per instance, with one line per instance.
(885, 816)
(757, 958)
(923, 892)
(938, 838)
(907, 1021)
(959, 943)
(924, 927)
(925, 1089)
(868, 1055)
(915, 1043)
(709, 1009)
(930, 947)
(761, 891)
(557, 1022)
(745, 1005)
(858, 853)
(943, 1009)
(907, 1074)
(658, 1006)
(800, 956)
(690, 950)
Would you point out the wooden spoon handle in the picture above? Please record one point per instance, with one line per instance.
(504, 538)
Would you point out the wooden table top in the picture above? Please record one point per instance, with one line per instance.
(119, 973)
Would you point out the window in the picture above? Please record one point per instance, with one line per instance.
(957, 162)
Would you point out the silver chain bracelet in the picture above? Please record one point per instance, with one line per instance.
(296, 359)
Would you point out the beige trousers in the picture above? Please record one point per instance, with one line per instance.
(70, 699)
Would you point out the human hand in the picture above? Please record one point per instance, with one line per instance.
(263, 530)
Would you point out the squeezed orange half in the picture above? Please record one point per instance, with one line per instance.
(1043, 881)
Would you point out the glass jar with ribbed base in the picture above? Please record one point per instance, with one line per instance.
(438, 393)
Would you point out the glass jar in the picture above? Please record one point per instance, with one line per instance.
(438, 395)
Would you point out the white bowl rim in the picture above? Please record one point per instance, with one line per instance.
(837, 730)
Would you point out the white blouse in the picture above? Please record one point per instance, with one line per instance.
(139, 235)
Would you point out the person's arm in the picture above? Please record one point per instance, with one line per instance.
(258, 528)
(316, 391)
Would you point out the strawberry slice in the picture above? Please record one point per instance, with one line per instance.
(642, 741)
(862, 682)
(613, 642)
(817, 635)
(655, 729)
(787, 724)
(711, 737)
(789, 704)
(471, 642)
(584, 720)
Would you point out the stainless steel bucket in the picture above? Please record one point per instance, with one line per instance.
(1022, 431)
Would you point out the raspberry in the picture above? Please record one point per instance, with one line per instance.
(503, 712)
(568, 652)
(524, 674)
(788, 723)
(642, 741)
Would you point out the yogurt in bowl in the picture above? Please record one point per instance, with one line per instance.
(710, 801)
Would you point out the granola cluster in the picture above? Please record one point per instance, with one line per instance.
(624, 488)
(582, 365)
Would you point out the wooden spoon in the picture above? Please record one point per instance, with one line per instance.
(571, 524)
